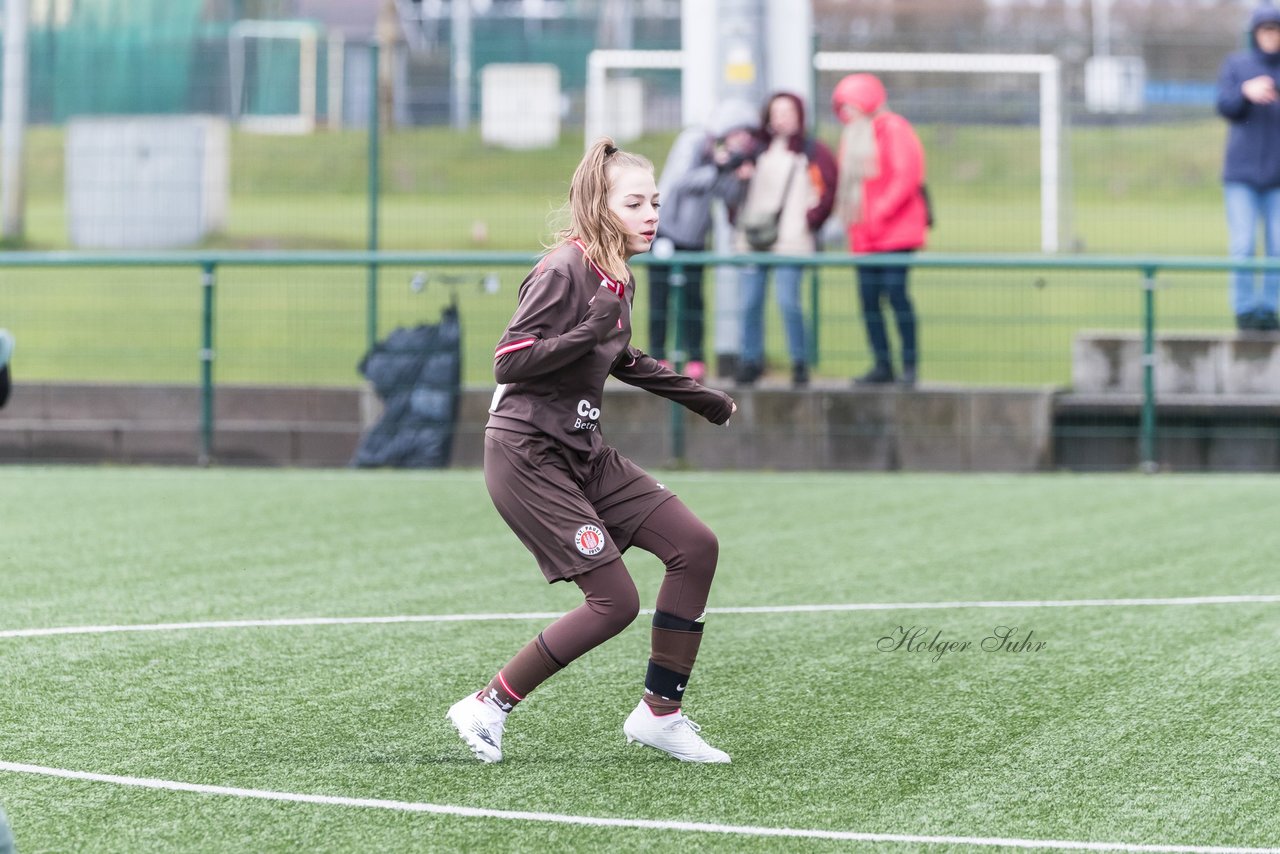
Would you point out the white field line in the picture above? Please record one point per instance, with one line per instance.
(273, 623)
(640, 823)
(534, 615)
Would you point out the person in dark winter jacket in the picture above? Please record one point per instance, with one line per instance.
(699, 169)
(1249, 101)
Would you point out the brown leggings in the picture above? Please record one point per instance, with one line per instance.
(682, 542)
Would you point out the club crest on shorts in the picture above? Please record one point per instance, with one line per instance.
(589, 539)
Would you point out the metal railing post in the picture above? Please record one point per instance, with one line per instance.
(1147, 430)
(678, 356)
(375, 119)
(207, 284)
(814, 314)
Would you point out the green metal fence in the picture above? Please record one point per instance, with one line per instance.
(831, 276)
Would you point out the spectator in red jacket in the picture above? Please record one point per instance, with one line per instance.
(880, 195)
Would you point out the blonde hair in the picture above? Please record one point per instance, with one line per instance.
(590, 219)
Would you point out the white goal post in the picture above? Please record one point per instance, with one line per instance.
(599, 62)
(1046, 67)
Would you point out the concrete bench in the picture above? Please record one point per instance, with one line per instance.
(1216, 363)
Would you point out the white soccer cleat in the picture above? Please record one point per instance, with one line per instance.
(480, 724)
(673, 733)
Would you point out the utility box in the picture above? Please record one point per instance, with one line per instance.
(520, 105)
(624, 109)
(146, 182)
(1115, 84)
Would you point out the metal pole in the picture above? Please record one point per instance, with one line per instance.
(1051, 148)
(336, 58)
(1147, 438)
(678, 356)
(13, 120)
(814, 314)
(727, 51)
(207, 281)
(371, 303)
(1101, 27)
(460, 65)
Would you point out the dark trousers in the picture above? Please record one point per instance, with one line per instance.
(874, 285)
(689, 335)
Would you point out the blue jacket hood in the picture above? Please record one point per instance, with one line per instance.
(1266, 14)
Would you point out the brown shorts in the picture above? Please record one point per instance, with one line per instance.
(573, 514)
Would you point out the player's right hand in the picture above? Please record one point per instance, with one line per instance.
(605, 310)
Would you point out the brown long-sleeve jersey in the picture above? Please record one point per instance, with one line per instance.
(570, 332)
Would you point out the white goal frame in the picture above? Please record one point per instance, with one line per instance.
(599, 63)
(1046, 67)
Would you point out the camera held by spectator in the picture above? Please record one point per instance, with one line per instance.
(735, 129)
(732, 159)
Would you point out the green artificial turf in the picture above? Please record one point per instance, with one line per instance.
(1137, 724)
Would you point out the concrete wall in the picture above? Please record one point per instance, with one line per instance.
(824, 429)
(780, 429)
(837, 429)
(1194, 432)
(46, 422)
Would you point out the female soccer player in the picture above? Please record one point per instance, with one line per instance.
(576, 503)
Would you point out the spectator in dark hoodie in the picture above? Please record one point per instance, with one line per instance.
(1248, 100)
(699, 169)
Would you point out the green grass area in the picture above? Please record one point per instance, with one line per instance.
(1135, 190)
(293, 192)
(1133, 724)
(308, 325)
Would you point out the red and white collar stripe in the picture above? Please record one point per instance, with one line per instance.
(605, 279)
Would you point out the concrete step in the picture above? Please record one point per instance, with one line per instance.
(1211, 363)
